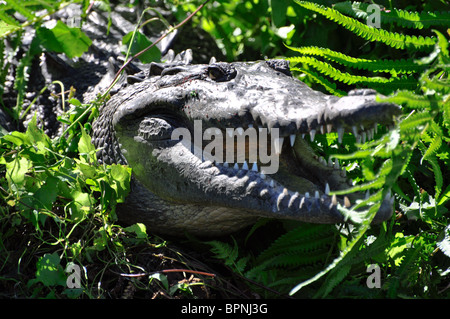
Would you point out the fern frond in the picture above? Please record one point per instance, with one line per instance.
(300, 240)
(333, 279)
(332, 72)
(403, 271)
(411, 100)
(397, 66)
(436, 84)
(415, 121)
(229, 254)
(429, 154)
(330, 87)
(346, 252)
(395, 40)
(403, 18)
(383, 84)
(298, 260)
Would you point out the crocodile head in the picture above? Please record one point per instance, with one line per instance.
(181, 126)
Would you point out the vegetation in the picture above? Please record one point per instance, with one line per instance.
(58, 204)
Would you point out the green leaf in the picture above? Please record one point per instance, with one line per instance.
(82, 203)
(49, 271)
(15, 170)
(279, 8)
(121, 176)
(37, 137)
(46, 194)
(161, 278)
(85, 146)
(63, 39)
(6, 28)
(139, 229)
(140, 42)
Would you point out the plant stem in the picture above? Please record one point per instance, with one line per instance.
(170, 30)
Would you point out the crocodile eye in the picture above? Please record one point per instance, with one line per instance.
(215, 73)
(221, 72)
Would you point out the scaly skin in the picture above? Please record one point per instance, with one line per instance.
(175, 190)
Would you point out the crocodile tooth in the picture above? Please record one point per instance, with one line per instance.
(334, 200)
(236, 166)
(364, 137)
(307, 195)
(340, 131)
(293, 198)
(329, 128)
(312, 134)
(322, 129)
(262, 175)
(330, 162)
(279, 199)
(375, 128)
(245, 166)
(278, 143)
(264, 193)
(369, 134)
(302, 201)
(285, 191)
(362, 127)
(347, 202)
(344, 172)
(336, 164)
(367, 194)
(272, 184)
(303, 135)
(327, 189)
(389, 197)
(292, 138)
(317, 194)
(225, 164)
(358, 139)
(255, 167)
(355, 131)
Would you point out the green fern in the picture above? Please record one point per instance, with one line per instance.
(392, 39)
(403, 18)
(306, 238)
(229, 254)
(317, 78)
(389, 66)
(385, 85)
(294, 254)
(421, 86)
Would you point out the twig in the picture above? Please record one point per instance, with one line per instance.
(154, 43)
(168, 271)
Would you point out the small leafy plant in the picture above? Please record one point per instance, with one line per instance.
(410, 161)
(58, 204)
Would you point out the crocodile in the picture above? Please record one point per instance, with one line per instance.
(176, 189)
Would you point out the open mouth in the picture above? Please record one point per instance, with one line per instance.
(303, 178)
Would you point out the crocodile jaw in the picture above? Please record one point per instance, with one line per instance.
(168, 169)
